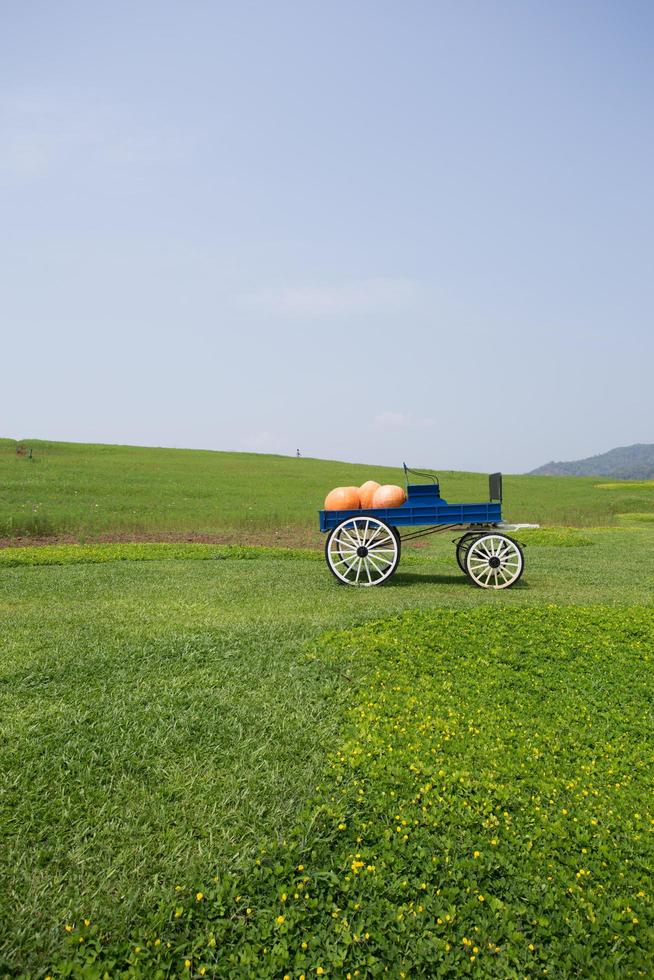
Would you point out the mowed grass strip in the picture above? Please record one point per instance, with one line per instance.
(488, 812)
(95, 554)
(85, 554)
(549, 537)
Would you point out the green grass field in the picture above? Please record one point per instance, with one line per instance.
(217, 761)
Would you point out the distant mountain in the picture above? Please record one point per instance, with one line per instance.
(625, 463)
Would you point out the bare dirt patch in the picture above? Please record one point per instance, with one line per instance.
(288, 538)
(281, 538)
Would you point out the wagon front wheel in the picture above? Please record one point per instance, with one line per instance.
(362, 551)
(494, 561)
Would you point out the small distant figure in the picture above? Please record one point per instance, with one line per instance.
(298, 453)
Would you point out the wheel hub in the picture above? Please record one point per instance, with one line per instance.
(362, 551)
(494, 562)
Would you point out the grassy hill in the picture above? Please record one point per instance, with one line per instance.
(89, 492)
(624, 463)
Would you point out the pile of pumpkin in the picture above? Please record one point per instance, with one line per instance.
(369, 496)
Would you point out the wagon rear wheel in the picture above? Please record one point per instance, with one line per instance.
(494, 561)
(362, 551)
(463, 546)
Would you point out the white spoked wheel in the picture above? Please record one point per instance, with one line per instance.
(362, 551)
(494, 561)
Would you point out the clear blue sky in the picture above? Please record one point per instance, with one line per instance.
(375, 231)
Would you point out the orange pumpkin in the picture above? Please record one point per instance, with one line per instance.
(367, 492)
(343, 498)
(388, 496)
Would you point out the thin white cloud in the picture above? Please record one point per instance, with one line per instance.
(41, 133)
(338, 299)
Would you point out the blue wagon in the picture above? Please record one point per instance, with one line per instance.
(364, 546)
